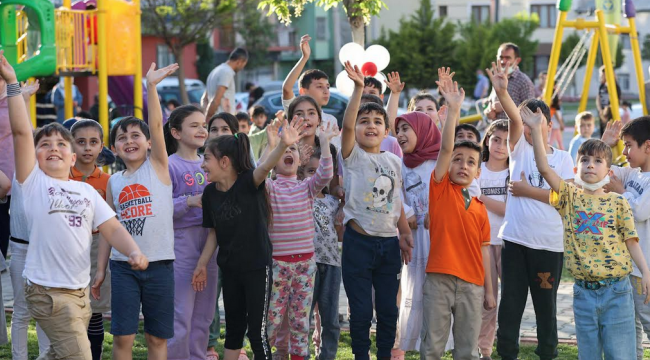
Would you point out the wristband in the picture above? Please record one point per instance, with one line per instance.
(13, 90)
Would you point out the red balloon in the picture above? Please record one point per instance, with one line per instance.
(369, 69)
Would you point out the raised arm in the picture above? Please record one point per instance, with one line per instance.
(535, 120)
(294, 74)
(159, 158)
(499, 78)
(21, 128)
(396, 87)
(290, 135)
(350, 118)
(454, 97)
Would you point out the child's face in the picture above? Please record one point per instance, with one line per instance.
(428, 107)
(244, 126)
(289, 162)
(464, 166)
(406, 137)
(310, 169)
(307, 111)
(586, 128)
(259, 120)
(636, 155)
(219, 127)
(132, 145)
(592, 168)
(370, 130)
(498, 145)
(371, 90)
(319, 90)
(54, 155)
(213, 167)
(193, 133)
(466, 135)
(87, 145)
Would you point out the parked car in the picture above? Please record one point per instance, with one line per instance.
(168, 89)
(272, 102)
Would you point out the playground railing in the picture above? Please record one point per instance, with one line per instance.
(21, 33)
(76, 39)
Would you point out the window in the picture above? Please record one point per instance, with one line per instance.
(547, 14)
(623, 81)
(480, 13)
(442, 10)
(164, 56)
(321, 28)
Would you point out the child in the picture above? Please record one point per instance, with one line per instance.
(467, 132)
(244, 122)
(185, 134)
(143, 195)
(458, 269)
(237, 213)
(292, 237)
(419, 139)
(494, 190)
(224, 123)
(585, 125)
(598, 229)
(60, 222)
(258, 116)
(257, 132)
(531, 257)
(373, 208)
(633, 183)
(426, 103)
(88, 143)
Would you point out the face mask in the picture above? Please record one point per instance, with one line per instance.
(511, 69)
(591, 187)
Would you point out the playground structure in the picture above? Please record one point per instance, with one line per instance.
(74, 41)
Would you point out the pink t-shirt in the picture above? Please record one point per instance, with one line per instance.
(6, 141)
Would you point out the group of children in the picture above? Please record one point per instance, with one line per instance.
(430, 218)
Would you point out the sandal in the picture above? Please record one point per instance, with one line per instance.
(243, 355)
(397, 354)
(212, 355)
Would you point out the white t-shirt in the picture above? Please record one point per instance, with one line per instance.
(529, 222)
(474, 188)
(61, 218)
(494, 184)
(637, 193)
(222, 75)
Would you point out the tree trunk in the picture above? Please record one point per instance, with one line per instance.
(178, 55)
(356, 22)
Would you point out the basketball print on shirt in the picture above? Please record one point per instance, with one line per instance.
(135, 208)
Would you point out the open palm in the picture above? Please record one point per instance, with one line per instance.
(530, 118)
(498, 76)
(291, 134)
(154, 77)
(354, 74)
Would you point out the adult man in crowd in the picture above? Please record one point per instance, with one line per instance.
(219, 95)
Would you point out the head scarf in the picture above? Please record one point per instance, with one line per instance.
(429, 138)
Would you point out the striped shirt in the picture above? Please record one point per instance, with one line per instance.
(292, 204)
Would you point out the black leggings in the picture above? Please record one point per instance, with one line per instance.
(96, 335)
(246, 302)
(4, 227)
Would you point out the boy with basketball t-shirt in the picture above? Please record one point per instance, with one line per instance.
(142, 198)
(61, 216)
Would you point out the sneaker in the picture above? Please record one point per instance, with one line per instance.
(243, 355)
(212, 355)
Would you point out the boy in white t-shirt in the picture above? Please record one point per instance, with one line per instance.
(532, 231)
(60, 221)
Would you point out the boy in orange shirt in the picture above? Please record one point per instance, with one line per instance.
(458, 264)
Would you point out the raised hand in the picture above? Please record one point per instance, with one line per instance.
(279, 115)
(6, 70)
(445, 74)
(154, 77)
(442, 115)
(29, 88)
(450, 91)
(306, 151)
(328, 132)
(354, 74)
(532, 119)
(394, 83)
(272, 132)
(612, 133)
(304, 46)
(498, 76)
(291, 134)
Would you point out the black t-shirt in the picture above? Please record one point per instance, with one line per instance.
(254, 95)
(239, 218)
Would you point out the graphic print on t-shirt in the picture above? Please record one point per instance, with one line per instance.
(383, 187)
(417, 195)
(135, 208)
(69, 203)
(590, 223)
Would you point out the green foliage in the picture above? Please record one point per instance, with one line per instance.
(205, 61)
(645, 47)
(286, 9)
(569, 44)
(256, 31)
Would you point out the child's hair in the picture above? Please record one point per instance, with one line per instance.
(368, 107)
(87, 123)
(175, 121)
(534, 104)
(584, 116)
(173, 102)
(638, 129)
(596, 147)
(607, 114)
(469, 145)
(242, 116)
(628, 104)
(556, 103)
(124, 124)
(257, 110)
(316, 155)
(365, 98)
(300, 99)
(499, 125)
(310, 75)
(51, 129)
(372, 82)
(230, 120)
(84, 115)
(468, 127)
(421, 96)
(442, 101)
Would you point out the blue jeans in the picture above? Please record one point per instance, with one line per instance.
(326, 293)
(371, 261)
(605, 321)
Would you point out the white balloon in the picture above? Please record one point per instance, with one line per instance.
(382, 79)
(344, 84)
(379, 55)
(353, 53)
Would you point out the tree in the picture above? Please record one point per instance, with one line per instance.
(205, 61)
(181, 23)
(420, 46)
(256, 31)
(359, 12)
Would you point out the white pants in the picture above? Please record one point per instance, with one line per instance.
(21, 317)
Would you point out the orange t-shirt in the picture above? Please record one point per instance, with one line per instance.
(457, 234)
(98, 179)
